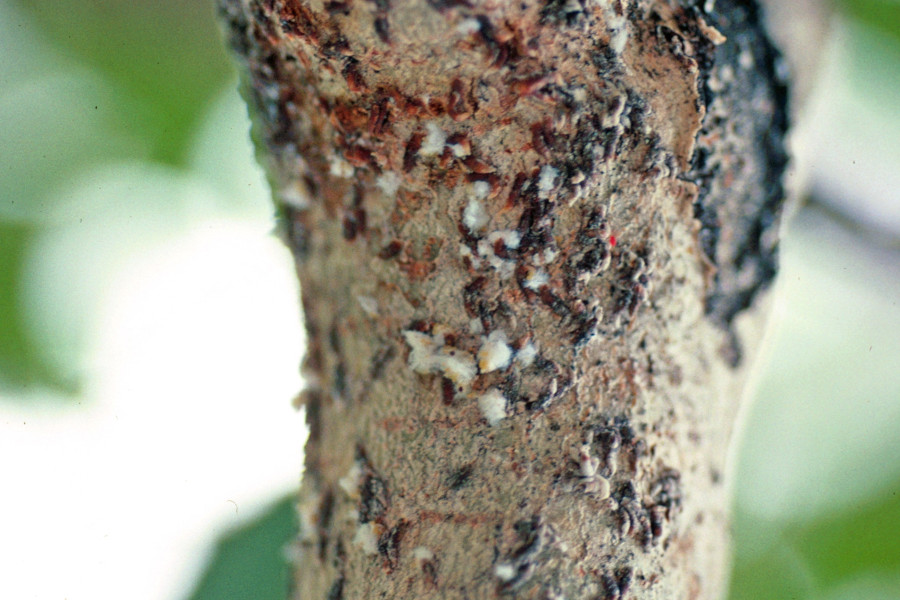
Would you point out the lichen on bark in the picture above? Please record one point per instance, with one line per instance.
(527, 236)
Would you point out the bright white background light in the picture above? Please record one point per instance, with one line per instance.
(188, 427)
(187, 313)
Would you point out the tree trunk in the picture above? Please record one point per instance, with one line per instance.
(533, 240)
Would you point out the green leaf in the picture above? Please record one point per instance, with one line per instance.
(883, 15)
(867, 587)
(852, 553)
(21, 363)
(166, 54)
(23, 54)
(847, 544)
(54, 127)
(250, 561)
(777, 572)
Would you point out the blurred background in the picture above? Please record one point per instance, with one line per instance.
(150, 334)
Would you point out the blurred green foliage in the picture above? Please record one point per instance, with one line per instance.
(83, 84)
(823, 557)
(20, 361)
(60, 124)
(250, 562)
(165, 57)
(881, 15)
(844, 545)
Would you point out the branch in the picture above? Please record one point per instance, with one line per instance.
(531, 237)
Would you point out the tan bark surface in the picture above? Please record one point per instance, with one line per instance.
(528, 236)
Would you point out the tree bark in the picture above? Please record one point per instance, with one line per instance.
(534, 240)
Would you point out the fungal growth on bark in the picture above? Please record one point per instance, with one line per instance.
(534, 240)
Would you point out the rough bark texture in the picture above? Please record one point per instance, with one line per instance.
(529, 237)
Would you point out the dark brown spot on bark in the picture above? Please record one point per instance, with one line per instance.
(312, 401)
(460, 477)
(473, 293)
(457, 107)
(429, 570)
(542, 138)
(528, 85)
(359, 156)
(448, 391)
(410, 153)
(436, 107)
(336, 591)
(657, 516)
(515, 191)
(389, 546)
(339, 380)
(353, 223)
(611, 590)
(420, 326)
(556, 304)
(461, 140)
(380, 360)
(625, 576)
(355, 81)
(391, 250)
(476, 165)
(445, 5)
(383, 29)
(666, 491)
(323, 529)
(373, 496)
(379, 117)
(338, 8)
(296, 230)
